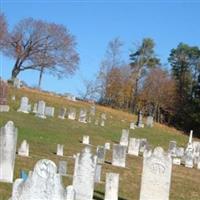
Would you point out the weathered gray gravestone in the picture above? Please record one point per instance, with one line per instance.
(16, 83)
(134, 146)
(172, 148)
(72, 114)
(119, 155)
(8, 142)
(149, 121)
(143, 144)
(139, 120)
(84, 173)
(62, 113)
(24, 149)
(101, 153)
(124, 137)
(62, 168)
(112, 185)
(3, 96)
(97, 178)
(93, 110)
(60, 150)
(35, 108)
(49, 111)
(156, 176)
(24, 106)
(41, 110)
(42, 184)
(83, 116)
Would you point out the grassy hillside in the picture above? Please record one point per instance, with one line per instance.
(43, 135)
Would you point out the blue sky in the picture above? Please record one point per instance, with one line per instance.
(95, 23)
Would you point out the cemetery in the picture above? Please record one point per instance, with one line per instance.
(54, 156)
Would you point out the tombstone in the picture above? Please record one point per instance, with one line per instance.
(8, 142)
(176, 161)
(139, 120)
(101, 153)
(24, 105)
(43, 183)
(119, 155)
(124, 137)
(62, 168)
(189, 160)
(24, 149)
(41, 110)
(172, 148)
(107, 146)
(84, 173)
(62, 113)
(83, 116)
(3, 96)
(134, 146)
(86, 139)
(59, 150)
(149, 121)
(16, 83)
(156, 176)
(72, 114)
(49, 111)
(112, 186)
(198, 163)
(180, 152)
(102, 123)
(103, 116)
(92, 110)
(35, 108)
(96, 122)
(132, 125)
(143, 144)
(89, 119)
(97, 177)
(70, 193)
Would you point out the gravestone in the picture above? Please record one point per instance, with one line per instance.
(156, 176)
(176, 161)
(101, 153)
(93, 110)
(103, 116)
(24, 149)
(35, 108)
(143, 144)
(132, 125)
(139, 122)
(86, 139)
(62, 168)
(96, 122)
(119, 155)
(102, 123)
(112, 186)
(41, 110)
(72, 114)
(124, 137)
(3, 96)
(180, 152)
(70, 193)
(134, 146)
(149, 121)
(49, 111)
(172, 148)
(42, 184)
(97, 177)
(83, 116)
(84, 173)
(8, 142)
(59, 150)
(24, 106)
(62, 113)
(189, 160)
(16, 83)
(107, 146)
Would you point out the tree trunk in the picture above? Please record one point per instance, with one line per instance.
(15, 72)
(40, 77)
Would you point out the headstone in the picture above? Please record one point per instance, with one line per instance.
(149, 121)
(102, 123)
(24, 149)
(93, 110)
(86, 139)
(107, 146)
(70, 193)
(35, 108)
(62, 113)
(83, 116)
(62, 168)
(42, 184)
(60, 150)
(119, 155)
(198, 163)
(96, 122)
(101, 153)
(189, 160)
(72, 114)
(124, 137)
(49, 111)
(143, 144)
(132, 125)
(16, 83)
(103, 116)
(24, 105)
(176, 161)
(8, 142)
(134, 146)
(3, 96)
(112, 186)
(180, 152)
(156, 176)
(97, 178)
(41, 110)
(172, 148)
(139, 120)
(84, 173)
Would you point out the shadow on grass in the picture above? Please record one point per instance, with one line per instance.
(100, 196)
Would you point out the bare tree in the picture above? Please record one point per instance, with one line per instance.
(3, 28)
(38, 45)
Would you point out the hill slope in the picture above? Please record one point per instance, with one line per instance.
(44, 135)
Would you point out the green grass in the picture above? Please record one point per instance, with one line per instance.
(43, 135)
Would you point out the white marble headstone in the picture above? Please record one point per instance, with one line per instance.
(119, 155)
(24, 149)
